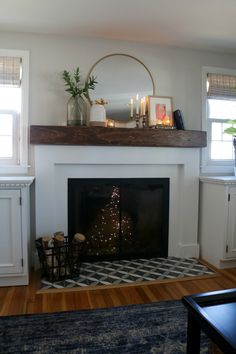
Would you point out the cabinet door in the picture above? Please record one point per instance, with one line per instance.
(10, 232)
(231, 232)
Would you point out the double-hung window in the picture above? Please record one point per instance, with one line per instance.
(219, 106)
(14, 67)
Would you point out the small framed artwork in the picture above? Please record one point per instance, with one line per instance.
(160, 111)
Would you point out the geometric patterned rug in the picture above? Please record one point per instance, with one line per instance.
(130, 271)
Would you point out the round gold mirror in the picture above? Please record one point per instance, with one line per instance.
(120, 78)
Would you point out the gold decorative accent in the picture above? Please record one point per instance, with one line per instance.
(101, 101)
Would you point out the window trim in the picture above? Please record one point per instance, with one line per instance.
(22, 167)
(15, 139)
(208, 166)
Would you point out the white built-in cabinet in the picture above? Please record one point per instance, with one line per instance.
(14, 230)
(217, 221)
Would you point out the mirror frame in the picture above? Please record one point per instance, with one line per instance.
(125, 55)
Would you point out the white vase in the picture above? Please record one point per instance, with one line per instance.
(97, 115)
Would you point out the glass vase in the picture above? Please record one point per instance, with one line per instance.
(76, 111)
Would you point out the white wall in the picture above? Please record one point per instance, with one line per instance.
(176, 72)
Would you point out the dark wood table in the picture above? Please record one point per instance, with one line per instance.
(215, 314)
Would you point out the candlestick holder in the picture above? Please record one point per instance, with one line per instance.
(144, 121)
(138, 118)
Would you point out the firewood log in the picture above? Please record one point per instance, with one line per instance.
(47, 241)
(52, 264)
(75, 252)
(60, 251)
(59, 240)
(78, 238)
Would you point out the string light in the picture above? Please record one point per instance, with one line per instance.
(105, 232)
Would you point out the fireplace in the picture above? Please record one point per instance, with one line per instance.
(120, 217)
(55, 164)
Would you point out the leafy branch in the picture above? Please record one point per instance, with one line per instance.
(73, 83)
(231, 130)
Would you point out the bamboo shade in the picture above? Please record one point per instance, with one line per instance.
(221, 86)
(10, 71)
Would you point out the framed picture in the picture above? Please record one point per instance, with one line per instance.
(160, 111)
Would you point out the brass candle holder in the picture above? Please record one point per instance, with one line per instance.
(141, 120)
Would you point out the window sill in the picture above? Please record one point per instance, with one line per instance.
(217, 169)
(14, 170)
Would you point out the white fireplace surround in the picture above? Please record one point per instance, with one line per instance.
(55, 164)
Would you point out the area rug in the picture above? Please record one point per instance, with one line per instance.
(157, 328)
(131, 271)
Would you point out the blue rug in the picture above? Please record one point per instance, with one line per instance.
(158, 328)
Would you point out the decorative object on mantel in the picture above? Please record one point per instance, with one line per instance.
(178, 119)
(232, 131)
(76, 106)
(121, 78)
(160, 111)
(110, 123)
(140, 111)
(98, 113)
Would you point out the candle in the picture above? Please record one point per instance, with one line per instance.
(137, 104)
(110, 123)
(144, 106)
(131, 107)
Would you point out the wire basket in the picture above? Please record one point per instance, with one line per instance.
(60, 262)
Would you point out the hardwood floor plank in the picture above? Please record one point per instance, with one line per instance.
(81, 300)
(7, 306)
(131, 294)
(35, 305)
(97, 299)
(150, 293)
(25, 299)
(4, 293)
(108, 299)
(144, 294)
(160, 292)
(117, 297)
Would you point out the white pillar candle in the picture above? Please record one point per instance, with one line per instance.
(144, 105)
(131, 107)
(137, 104)
(141, 109)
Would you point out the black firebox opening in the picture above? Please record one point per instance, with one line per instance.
(121, 218)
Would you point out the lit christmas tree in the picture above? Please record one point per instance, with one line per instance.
(108, 225)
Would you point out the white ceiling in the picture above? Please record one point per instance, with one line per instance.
(200, 24)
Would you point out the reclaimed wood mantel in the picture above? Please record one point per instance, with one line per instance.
(101, 136)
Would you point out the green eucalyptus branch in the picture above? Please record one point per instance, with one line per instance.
(73, 83)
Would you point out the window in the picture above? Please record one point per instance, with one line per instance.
(9, 137)
(219, 106)
(13, 111)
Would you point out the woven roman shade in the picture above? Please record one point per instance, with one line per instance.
(10, 71)
(221, 87)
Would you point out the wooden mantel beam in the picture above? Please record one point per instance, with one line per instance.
(100, 136)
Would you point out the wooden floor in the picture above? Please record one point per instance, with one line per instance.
(26, 300)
